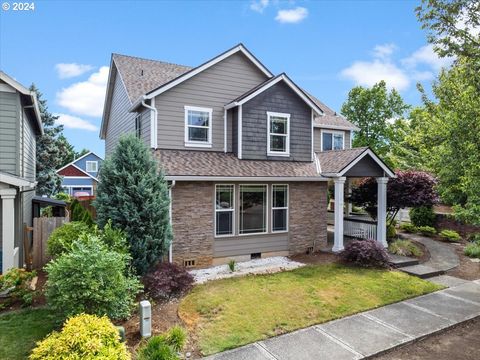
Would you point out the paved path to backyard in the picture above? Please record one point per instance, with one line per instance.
(371, 332)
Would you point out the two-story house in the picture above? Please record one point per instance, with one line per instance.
(247, 153)
(79, 177)
(20, 124)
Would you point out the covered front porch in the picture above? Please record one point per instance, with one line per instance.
(342, 167)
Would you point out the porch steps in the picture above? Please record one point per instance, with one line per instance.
(422, 271)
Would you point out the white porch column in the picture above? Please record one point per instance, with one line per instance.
(8, 228)
(382, 211)
(339, 203)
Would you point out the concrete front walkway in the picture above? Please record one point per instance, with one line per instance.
(369, 333)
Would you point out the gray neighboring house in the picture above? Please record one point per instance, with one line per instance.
(248, 156)
(20, 124)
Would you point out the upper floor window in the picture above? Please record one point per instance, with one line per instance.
(278, 140)
(198, 126)
(333, 140)
(138, 125)
(92, 166)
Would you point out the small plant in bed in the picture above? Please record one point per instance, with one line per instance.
(15, 283)
(427, 230)
(408, 228)
(450, 235)
(405, 248)
(366, 253)
(164, 347)
(167, 281)
(231, 265)
(473, 250)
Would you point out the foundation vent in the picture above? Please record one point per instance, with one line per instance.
(255, 256)
(189, 263)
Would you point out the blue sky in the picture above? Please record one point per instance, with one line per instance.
(327, 47)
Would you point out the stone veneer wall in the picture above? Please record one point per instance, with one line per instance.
(193, 220)
(308, 216)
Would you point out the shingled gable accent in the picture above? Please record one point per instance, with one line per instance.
(71, 170)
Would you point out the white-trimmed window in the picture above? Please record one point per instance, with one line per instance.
(224, 209)
(279, 208)
(198, 126)
(333, 140)
(92, 166)
(253, 209)
(278, 140)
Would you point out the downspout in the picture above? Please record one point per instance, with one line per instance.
(153, 123)
(170, 248)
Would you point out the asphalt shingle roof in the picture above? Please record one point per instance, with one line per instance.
(142, 75)
(332, 162)
(209, 163)
(330, 117)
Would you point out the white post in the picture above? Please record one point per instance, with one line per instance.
(145, 318)
(8, 229)
(339, 203)
(382, 211)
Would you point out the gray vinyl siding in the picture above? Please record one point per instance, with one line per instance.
(212, 88)
(9, 132)
(120, 121)
(251, 243)
(145, 126)
(28, 145)
(317, 135)
(234, 136)
(279, 98)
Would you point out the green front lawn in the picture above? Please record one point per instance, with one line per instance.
(20, 330)
(232, 312)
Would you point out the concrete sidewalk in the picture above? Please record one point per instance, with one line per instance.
(369, 333)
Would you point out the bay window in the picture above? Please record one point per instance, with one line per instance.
(198, 126)
(278, 138)
(253, 209)
(279, 208)
(333, 140)
(224, 209)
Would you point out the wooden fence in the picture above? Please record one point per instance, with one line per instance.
(42, 228)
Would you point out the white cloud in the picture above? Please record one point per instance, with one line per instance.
(73, 122)
(426, 56)
(86, 97)
(384, 51)
(369, 73)
(66, 71)
(292, 16)
(259, 5)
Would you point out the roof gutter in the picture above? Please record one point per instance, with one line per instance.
(153, 121)
(244, 178)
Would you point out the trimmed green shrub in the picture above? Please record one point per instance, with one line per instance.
(427, 230)
(422, 216)
(472, 250)
(165, 346)
(450, 235)
(62, 238)
(408, 228)
(404, 248)
(17, 282)
(78, 213)
(92, 279)
(83, 337)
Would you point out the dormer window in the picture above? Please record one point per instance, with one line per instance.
(92, 166)
(198, 126)
(278, 140)
(333, 140)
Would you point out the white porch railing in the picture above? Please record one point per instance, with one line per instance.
(361, 229)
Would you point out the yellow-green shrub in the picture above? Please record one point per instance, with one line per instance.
(83, 337)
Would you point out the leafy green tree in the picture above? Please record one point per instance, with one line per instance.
(375, 111)
(134, 195)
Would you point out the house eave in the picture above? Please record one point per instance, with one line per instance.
(244, 178)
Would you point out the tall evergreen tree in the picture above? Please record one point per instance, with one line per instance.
(49, 150)
(134, 195)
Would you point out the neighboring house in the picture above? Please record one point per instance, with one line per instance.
(247, 154)
(20, 124)
(79, 178)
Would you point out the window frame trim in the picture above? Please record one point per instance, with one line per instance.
(333, 132)
(285, 153)
(233, 210)
(272, 208)
(87, 162)
(191, 143)
(266, 212)
(138, 126)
